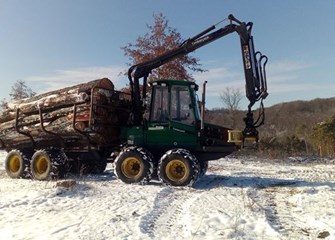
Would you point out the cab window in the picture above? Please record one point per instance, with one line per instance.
(181, 105)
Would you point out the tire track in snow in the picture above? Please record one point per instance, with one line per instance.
(266, 202)
(277, 212)
(162, 202)
(308, 176)
(313, 174)
(170, 215)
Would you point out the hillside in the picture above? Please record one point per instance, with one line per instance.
(288, 127)
(283, 118)
(287, 117)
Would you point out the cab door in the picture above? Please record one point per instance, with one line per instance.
(172, 119)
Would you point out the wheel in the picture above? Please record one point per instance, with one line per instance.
(203, 168)
(16, 164)
(100, 166)
(178, 167)
(134, 165)
(74, 162)
(48, 164)
(99, 163)
(41, 165)
(72, 166)
(90, 163)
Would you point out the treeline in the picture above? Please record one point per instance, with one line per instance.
(293, 128)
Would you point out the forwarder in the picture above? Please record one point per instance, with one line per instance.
(50, 134)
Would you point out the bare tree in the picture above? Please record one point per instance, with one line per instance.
(231, 98)
(3, 105)
(20, 90)
(160, 39)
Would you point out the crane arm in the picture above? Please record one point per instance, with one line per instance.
(254, 68)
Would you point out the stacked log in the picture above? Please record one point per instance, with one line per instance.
(72, 117)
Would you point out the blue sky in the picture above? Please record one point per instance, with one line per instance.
(51, 44)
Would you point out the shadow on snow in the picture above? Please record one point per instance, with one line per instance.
(216, 181)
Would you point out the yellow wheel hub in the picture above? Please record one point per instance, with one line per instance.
(177, 170)
(131, 167)
(41, 165)
(14, 164)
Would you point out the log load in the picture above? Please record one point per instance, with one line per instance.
(77, 117)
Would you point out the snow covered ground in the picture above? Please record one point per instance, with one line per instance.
(236, 199)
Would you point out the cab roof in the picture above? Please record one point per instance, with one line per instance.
(170, 82)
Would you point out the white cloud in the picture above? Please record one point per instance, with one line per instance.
(223, 73)
(281, 67)
(285, 73)
(219, 79)
(290, 77)
(282, 76)
(300, 88)
(64, 78)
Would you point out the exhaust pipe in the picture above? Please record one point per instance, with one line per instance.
(203, 104)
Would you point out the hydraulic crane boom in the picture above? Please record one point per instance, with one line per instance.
(254, 69)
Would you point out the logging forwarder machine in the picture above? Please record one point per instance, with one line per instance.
(179, 141)
(173, 143)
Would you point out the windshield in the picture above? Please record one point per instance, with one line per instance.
(181, 105)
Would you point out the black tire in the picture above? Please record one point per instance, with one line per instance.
(134, 165)
(203, 168)
(48, 164)
(99, 163)
(16, 164)
(72, 166)
(74, 162)
(178, 167)
(90, 163)
(59, 163)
